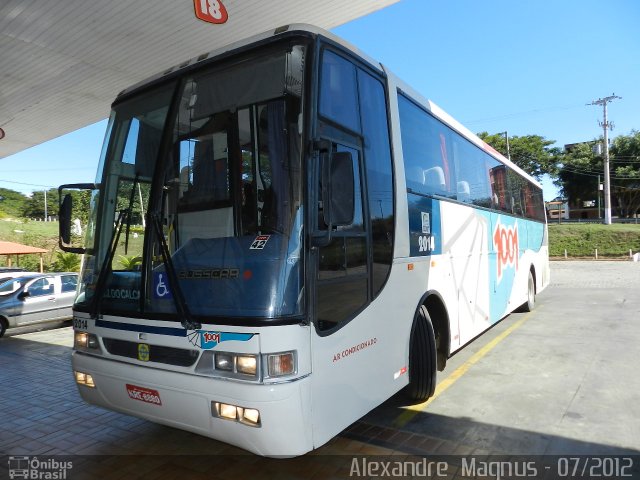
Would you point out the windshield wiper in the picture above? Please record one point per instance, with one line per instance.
(181, 305)
(113, 246)
(130, 210)
(104, 271)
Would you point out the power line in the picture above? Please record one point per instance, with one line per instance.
(28, 184)
(517, 114)
(30, 170)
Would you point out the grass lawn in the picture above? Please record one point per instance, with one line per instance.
(35, 234)
(582, 239)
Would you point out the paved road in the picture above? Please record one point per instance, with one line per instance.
(560, 380)
(563, 381)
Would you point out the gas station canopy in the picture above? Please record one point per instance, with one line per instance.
(62, 62)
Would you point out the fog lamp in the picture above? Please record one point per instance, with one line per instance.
(84, 379)
(230, 412)
(251, 416)
(246, 416)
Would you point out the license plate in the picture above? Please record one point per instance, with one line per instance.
(146, 395)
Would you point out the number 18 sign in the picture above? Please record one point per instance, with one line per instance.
(212, 11)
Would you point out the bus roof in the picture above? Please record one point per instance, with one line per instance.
(429, 105)
(255, 39)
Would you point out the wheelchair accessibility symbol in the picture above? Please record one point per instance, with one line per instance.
(161, 286)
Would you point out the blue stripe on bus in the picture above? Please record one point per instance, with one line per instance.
(176, 332)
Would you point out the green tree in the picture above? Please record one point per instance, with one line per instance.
(34, 206)
(11, 203)
(66, 262)
(130, 262)
(532, 153)
(578, 176)
(625, 169)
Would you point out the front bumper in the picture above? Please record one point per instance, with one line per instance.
(186, 403)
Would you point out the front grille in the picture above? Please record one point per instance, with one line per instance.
(179, 357)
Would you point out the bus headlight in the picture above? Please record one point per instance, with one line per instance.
(236, 364)
(268, 367)
(85, 341)
(246, 364)
(224, 361)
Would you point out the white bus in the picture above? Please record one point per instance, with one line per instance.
(282, 235)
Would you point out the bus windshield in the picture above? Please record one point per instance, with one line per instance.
(216, 185)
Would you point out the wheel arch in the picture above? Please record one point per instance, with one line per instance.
(435, 305)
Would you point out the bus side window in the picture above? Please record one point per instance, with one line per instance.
(426, 144)
(338, 91)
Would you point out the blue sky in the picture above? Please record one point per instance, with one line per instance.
(496, 65)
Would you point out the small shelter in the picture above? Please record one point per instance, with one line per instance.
(11, 248)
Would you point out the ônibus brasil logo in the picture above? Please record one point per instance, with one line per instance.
(38, 469)
(505, 242)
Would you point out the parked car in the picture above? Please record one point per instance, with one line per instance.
(11, 272)
(36, 297)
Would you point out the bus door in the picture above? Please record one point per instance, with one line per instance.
(351, 260)
(341, 280)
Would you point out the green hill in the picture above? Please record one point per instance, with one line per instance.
(582, 239)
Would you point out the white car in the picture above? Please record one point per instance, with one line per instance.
(36, 297)
(11, 272)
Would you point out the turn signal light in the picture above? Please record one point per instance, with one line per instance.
(280, 364)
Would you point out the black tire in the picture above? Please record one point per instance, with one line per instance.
(3, 326)
(530, 304)
(422, 358)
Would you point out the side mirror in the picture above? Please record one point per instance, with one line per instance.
(65, 220)
(23, 294)
(74, 205)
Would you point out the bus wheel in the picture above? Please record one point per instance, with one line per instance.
(422, 358)
(530, 304)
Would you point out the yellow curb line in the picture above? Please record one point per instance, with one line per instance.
(411, 411)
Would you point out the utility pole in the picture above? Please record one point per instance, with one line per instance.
(598, 188)
(606, 125)
(506, 139)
